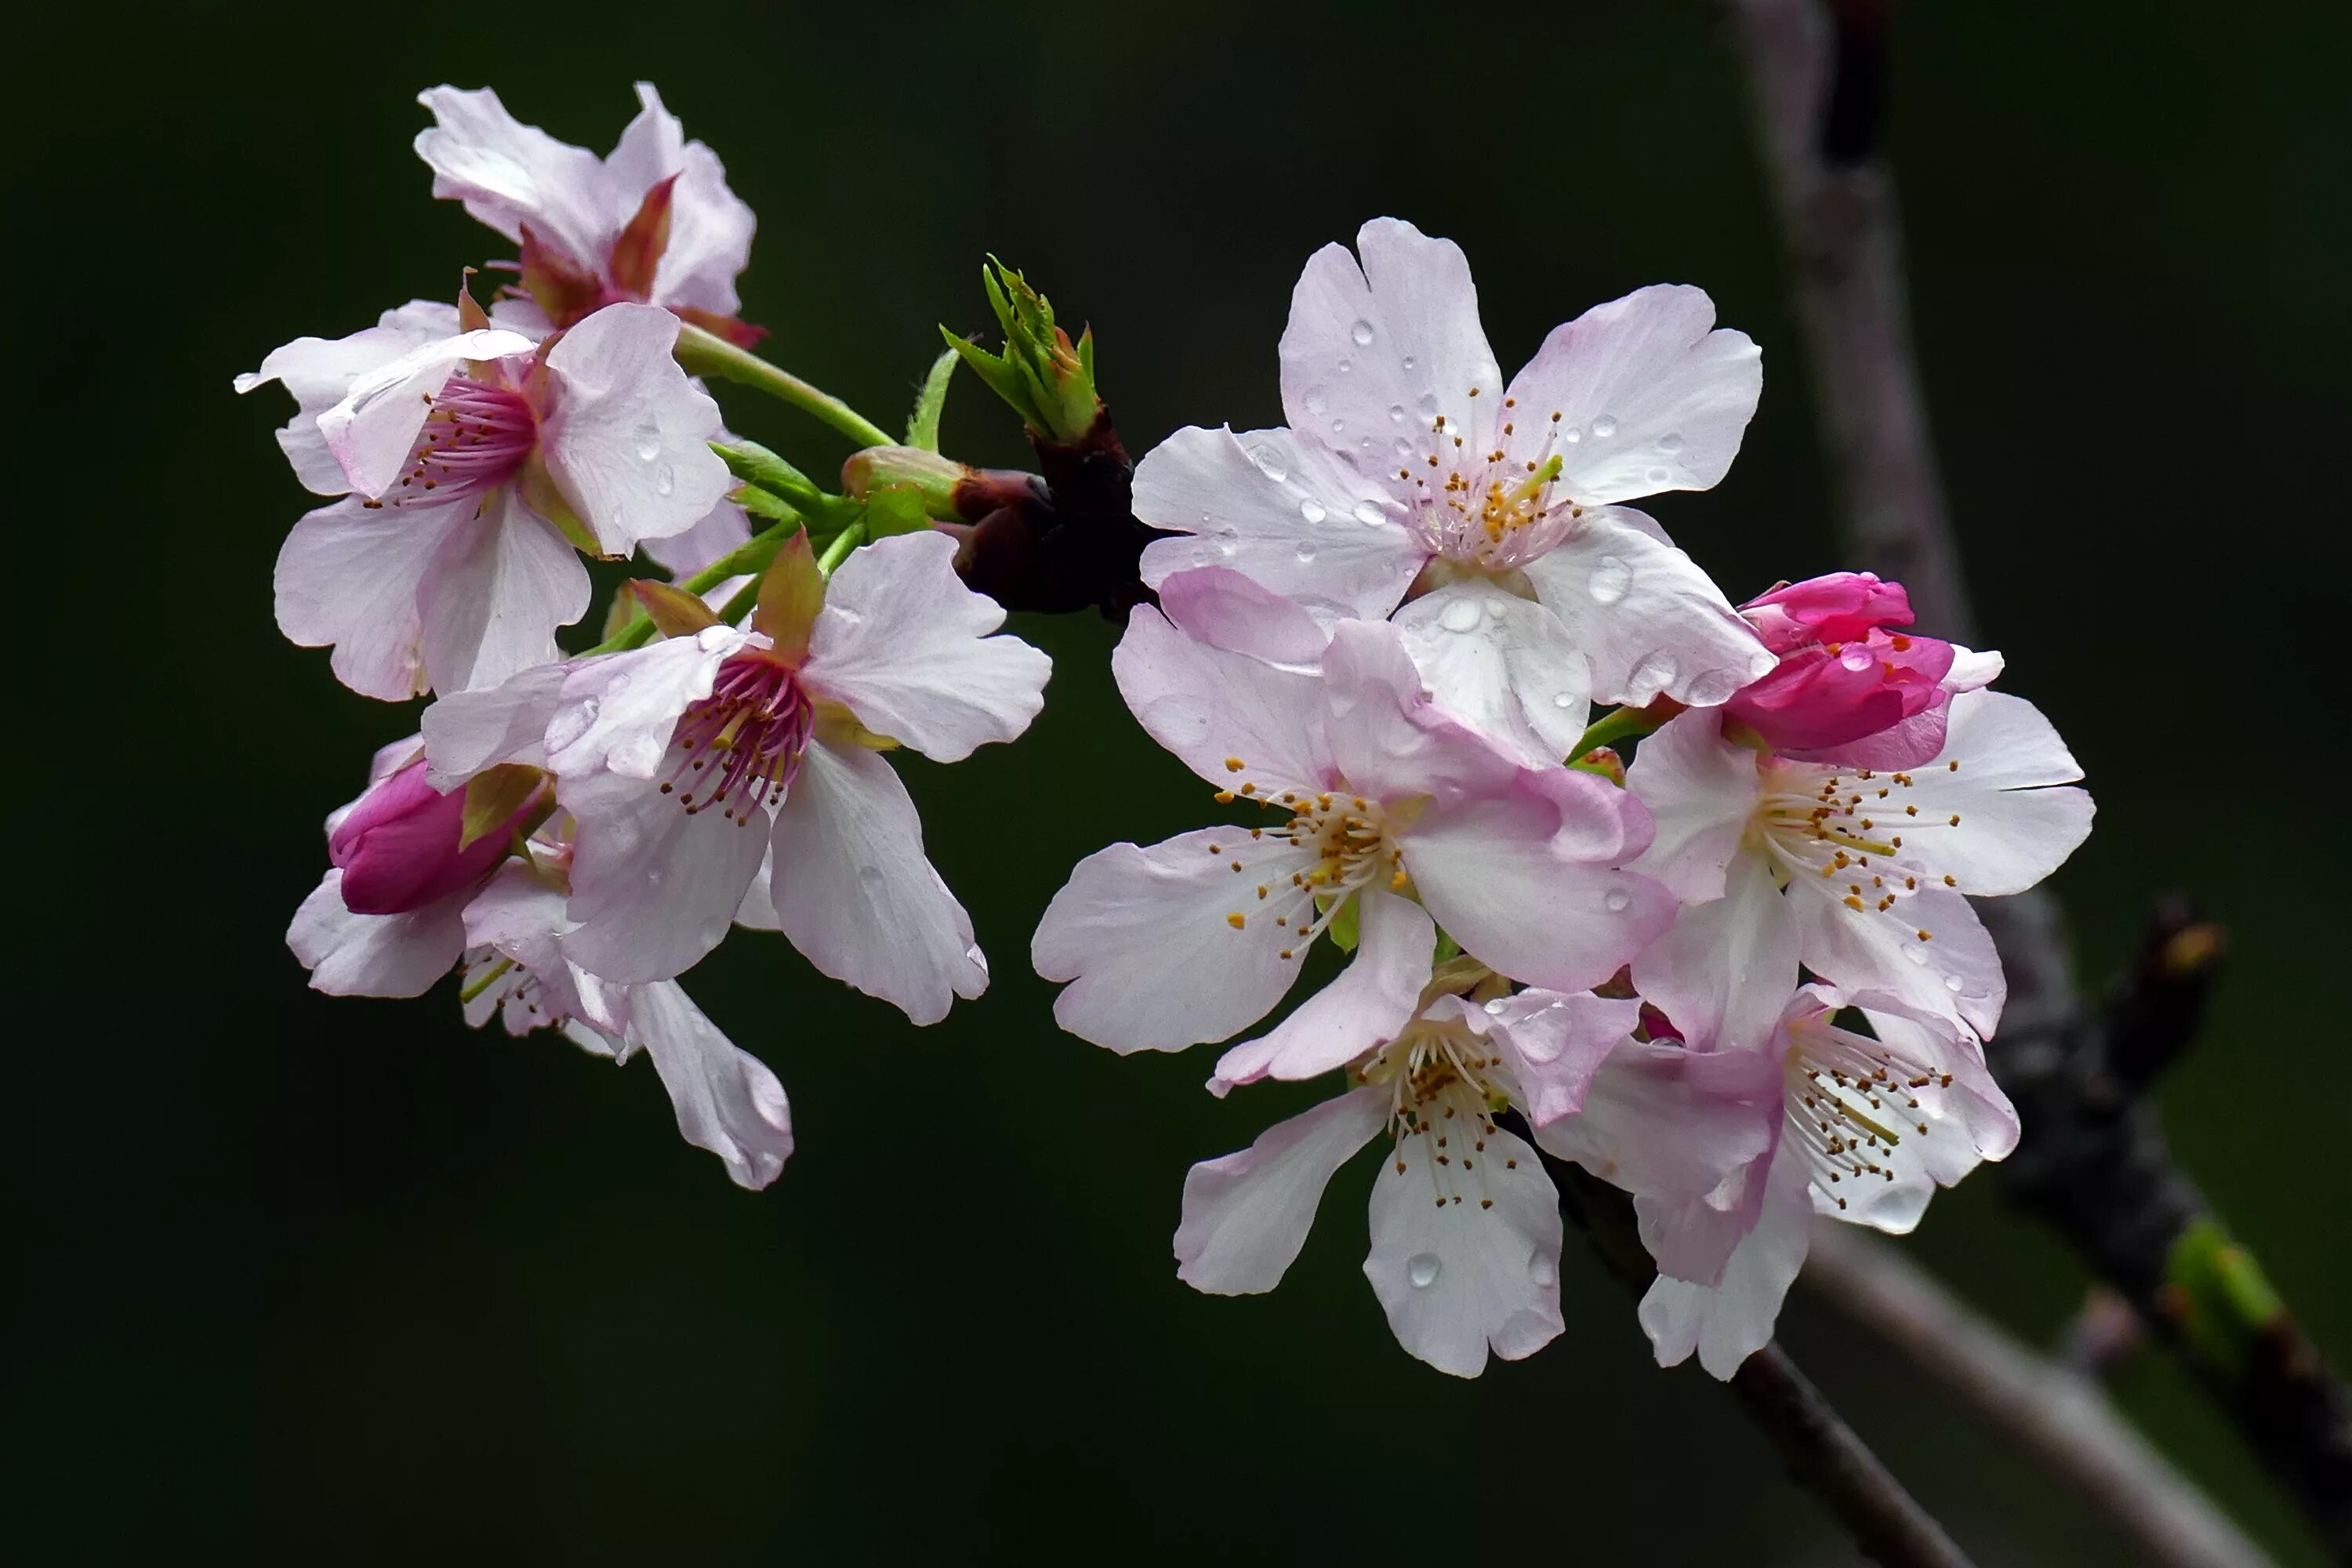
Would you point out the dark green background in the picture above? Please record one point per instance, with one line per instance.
(342, 1277)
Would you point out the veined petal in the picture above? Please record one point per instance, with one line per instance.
(1463, 1263)
(509, 175)
(1658, 401)
(347, 577)
(721, 532)
(727, 1100)
(1987, 810)
(1503, 665)
(501, 584)
(1650, 620)
(1663, 1122)
(854, 891)
(1225, 609)
(1731, 1322)
(1701, 790)
(653, 887)
(1553, 1043)
(627, 435)
(1211, 706)
(1952, 971)
(1724, 971)
(618, 714)
(465, 732)
(906, 646)
(1247, 1214)
(318, 371)
(1386, 739)
(709, 226)
(376, 955)
(1369, 1003)
(372, 430)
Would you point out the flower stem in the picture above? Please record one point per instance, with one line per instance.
(707, 353)
(751, 556)
(1620, 724)
(847, 539)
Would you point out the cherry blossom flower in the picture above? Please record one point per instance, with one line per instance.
(1409, 468)
(477, 460)
(1380, 800)
(1862, 1130)
(1465, 1228)
(654, 224)
(1861, 876)
(506, 925)
(668, 756)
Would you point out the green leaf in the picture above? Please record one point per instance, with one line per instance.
(754, 464)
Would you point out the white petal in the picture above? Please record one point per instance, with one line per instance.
(1662, 1121)
(1701, 790)
(854, 893)
(709, 226)
(627, 437)
(1208, 704)
(653, 887)
(1466, 1259)
(1369, 1004)
(1657, 400)
(370, 431)
(906, 646)
(1247, 1214)
(465, 732)
(500, 584)
(727, 1100)
(1724, 970)
(1553, 1043)
(1731, 1322)
(1222, 607)
(1316, 534)
(510, 174)
(1503, 665)
(319, 372)
(376, 955)
(1144, 938)
(2015, 826)
(618, 714)
(721, 531)
(1648, 617)
(1955, 974)
(347, 577)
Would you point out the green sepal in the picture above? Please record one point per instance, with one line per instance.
(493, 795)
(923, 424)
(754, 464)
(1346, 927)
(895, 509)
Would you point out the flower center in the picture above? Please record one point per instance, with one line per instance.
(1848, 828)
(740, 748)
(1442, 1095)
(1350, 839)
(1492, 510)
(1850, 1101)
(478, 437)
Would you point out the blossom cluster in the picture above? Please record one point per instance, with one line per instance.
(1738, 976)
(571, 832)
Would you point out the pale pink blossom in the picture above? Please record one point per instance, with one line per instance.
(477, 461)
(653, 224)
(1409, 469)
(738, 774)
(1376, 798)
(1861, 874)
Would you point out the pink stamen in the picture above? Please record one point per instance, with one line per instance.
(745, 740)
(478, 437)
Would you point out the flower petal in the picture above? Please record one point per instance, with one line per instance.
(1552, 1042)
(319, 372)
(1247, 1214)
(1724, 971)
(372, 430)
(376, 955)
(1663, 1122)
(501, 583)
(1953, 973)
(627, 436)
(618, 714)
(727, 1100)
(709, 226)
(510, 174)
(1503, 665)
(465, 732)
(1209, 705)
(653, 887)
(1462, 1262)
(1648, 617)
(1729, 1322)
(347, 577)
(854, 893)
(1996, 823)
(1369, 1003)
(1701, 790)
(721, 531)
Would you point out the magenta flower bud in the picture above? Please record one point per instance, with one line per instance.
(1842, 607)
(398, 846)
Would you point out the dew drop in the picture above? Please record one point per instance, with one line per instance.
(1495, 1007)
(1401, 446)
(1396, 412)
(1428, 406)
(1422, 1269)
(649, 443)
(1570, 435)
(1543, 1269)
(588, 708)
(1670, 443)
(1307, 555)
(1411, 364)
(1609, 580)
(1346, 365)
(1605, 426)
(664, 479)
(1338, 427)
(1269, 465)
(1916, 952)
(711, 639)
(1369, 515)
(1495, 611)
(1227, 549)
(1714, 689)
(1952, 984)
(1461, 616)
(1617, 899)
(870, 876)
(1312, 509)
(1317, 402)
(1362, 332)
(1856, 658)
(1656, 673)
(1659, 475)
(1565, 699)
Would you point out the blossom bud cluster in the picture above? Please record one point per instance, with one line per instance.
(571, 832)
(1738, 977)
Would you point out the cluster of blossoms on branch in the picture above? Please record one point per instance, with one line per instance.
(1737, 976)
(1628, 875)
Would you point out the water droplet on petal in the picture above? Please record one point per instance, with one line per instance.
(1369, 515)
(1338, 427)
(1460, 615)
(1495, 1007)
(1495, 611)
(1605, 426)
(1659, 475)
(711, 639)
(1317, 402)
(1401, 446)
(649, 443)
(1655, 673)
(588, 707)
(1570, 435)
(1714, 689)
(1565, 699)
(1396, 412)
(1543, 1269)
(1670, 443)
(1269, 464)
(664, 479)
(1312, 509)
(1428, 406)
(1346, 365)
(1609, 580)
(1307, 555)
(1410, 364)
(1617, 899)
(1952, 984)
(1421, 1268)
(1856, 658)
(1916, 952)
(1362, 332)
(1227, 549)
(870, 876)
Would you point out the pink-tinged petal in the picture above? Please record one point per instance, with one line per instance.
(521, 915)
(1498, 878)
(1247, 1214)
(1839, 606)
(721, 532)
(618, 714)
(1724, 971)
(1908, 743)
(509, 175)
(1551, 1042)
(653, 887)
(1972, 1104)
(1648, 398)
(1149, 941)
(376, 955)
(1369, 1004)
(1665, 1123)
(1386, 739)
(1208, 704)
(709, 226)
(1468, 1258)
(498, 588)
(854, 891)
(465, 732)
(1280, 516)
(1701, 790)
(1727, 1323)
(1954, 973)
(1503, 665)
(318, 371)
(1650, 620)
(347, 577)
(374, 427)
(906, 647)
(1222, 607)
(1838, 693)
(1381, 351)
(398, 845)
(627, 435)
(727, 1100)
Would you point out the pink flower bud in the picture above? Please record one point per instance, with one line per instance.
(398, 846)
(1842, 677)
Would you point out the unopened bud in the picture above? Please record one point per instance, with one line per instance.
(1047, 379)
(927, 473)
(400, 847)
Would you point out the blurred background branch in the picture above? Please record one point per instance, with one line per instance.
(2093, 1162)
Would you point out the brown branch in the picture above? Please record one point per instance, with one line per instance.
(1821, 1452)
(2059, 1419)
(2093, 1162)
